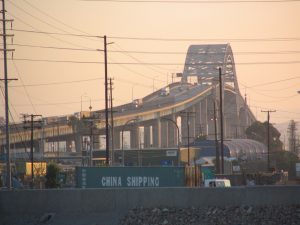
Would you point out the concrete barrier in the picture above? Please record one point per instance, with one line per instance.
(107, 200)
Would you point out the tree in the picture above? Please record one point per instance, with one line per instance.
(259, 131)
(52, 176)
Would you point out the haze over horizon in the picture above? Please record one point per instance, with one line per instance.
(60, 68)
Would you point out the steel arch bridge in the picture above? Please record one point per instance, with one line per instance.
(150, 116)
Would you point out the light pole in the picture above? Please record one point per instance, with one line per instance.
(131, 120)
(83, 95)
(178, 146)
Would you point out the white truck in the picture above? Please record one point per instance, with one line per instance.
(217, 183)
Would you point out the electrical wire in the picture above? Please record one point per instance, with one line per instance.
(156, 53)
(57, 20)
(55, 33)
(153, 63)
(78, 81)
(171, 39)
(137, 60)
(57, 83)
(56, 48)
(37, 30)
(271, 82)
(14, 124)
(25, 89)
(194, 2)
(44, 22)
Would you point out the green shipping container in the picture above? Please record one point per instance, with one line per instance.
(132, 177)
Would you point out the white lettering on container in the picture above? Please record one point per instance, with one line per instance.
(143, 181)
(111, 181)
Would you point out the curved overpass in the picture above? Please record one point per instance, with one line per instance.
(174, 101)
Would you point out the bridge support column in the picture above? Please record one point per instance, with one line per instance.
(192, 124)
(134, 137)
(147, 136)
(78, 142)
(172, 132)
(164, 133)
(157, 134)
(210, 118)
(184, 133)
(198, 128)
(116, 141)
(203, 116)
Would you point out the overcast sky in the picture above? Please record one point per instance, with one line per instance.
(268, 70)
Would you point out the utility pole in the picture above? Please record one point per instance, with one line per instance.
(5, 50)
(106, 104)
(111, 121)
(268, 135)
(32, 126)
(188, 132)
(221, 119)
(216, 141)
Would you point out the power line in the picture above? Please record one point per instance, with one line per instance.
(56, 38)
(138, 60)
(193, 2)
(157, 52)
(49, 24)
(170, 39)
(154, 63)
(57, 83)
(274, 82)
(56, 33)
(206, 40)
(27, 94)
(272, 90)
(57, 48)
(55, 19)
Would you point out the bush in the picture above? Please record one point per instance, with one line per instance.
(52, 176)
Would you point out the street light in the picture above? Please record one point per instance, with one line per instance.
(81, 97)
(178, 150)
(131, 120)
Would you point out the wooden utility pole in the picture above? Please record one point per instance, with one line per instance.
(106, 104)
(5, 50)
(268, 135)
(188, 132)
(32, 126)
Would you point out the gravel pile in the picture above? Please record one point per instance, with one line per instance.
(241, 215)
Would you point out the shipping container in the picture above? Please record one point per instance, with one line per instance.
(133, 177)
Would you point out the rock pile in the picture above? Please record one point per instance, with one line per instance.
(230, 215)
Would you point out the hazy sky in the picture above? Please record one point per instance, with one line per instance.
(58, 88)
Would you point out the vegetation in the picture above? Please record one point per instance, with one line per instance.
(52, 176)
(259, 131)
